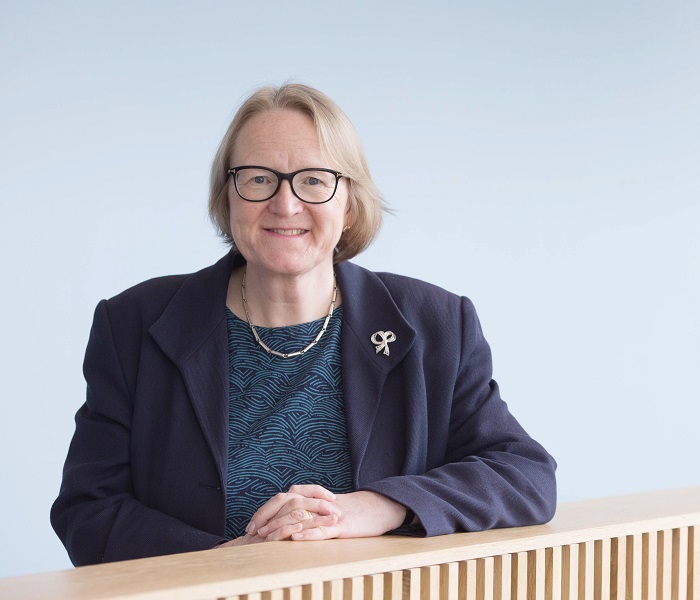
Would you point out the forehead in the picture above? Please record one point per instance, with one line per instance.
(279, 135)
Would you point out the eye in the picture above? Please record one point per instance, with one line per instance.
(255, 178)
(317, 179)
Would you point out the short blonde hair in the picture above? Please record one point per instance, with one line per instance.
(339, 142)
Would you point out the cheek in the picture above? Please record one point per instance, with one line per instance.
(231, 209)
(334, 221)
(238, 218)
(233, 221)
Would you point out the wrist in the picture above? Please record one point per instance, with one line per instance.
(394, 512)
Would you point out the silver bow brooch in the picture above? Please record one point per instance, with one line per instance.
(382, 339)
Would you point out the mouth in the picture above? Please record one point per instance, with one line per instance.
(288, 232)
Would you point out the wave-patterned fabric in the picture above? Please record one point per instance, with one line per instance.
(286, 416)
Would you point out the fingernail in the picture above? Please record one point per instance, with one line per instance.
(263, 531)
(297, 536)
(251, 528)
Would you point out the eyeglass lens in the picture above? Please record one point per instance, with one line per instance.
(256, 184)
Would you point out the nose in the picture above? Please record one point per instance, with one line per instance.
(284, 202)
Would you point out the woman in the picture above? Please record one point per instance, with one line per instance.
(284, 393)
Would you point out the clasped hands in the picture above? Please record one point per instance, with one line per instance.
(311, 512)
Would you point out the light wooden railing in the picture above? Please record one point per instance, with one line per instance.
(641, 546)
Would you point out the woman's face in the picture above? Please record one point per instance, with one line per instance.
(284, 235)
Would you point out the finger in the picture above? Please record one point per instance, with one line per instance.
(283, 503)
(312, 491)
(306, 523)
(295, 510)
(322, 532)
(282, 520)
(283, 533)
(319, 521)
(314, 505)
(267, 511)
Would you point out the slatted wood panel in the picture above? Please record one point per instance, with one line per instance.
(654, 565)
(646, 566)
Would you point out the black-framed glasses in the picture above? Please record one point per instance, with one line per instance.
(257, 184)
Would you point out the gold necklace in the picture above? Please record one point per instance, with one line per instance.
(298, 352)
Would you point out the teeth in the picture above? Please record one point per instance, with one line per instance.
(289, 231)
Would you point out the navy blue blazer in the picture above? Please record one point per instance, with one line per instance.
(146, 467)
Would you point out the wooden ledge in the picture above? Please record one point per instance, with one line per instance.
(278, 565)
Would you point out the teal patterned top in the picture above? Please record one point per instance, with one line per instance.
(286, 416)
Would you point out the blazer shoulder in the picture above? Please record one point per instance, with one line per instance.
(152, 295)
(410, 294)
(150, 298)
(425, 306)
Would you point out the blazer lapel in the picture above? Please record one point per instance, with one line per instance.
(192, 333)
(368, 309)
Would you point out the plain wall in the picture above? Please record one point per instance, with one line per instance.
(542, 158)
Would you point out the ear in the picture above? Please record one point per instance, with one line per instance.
(349, 220)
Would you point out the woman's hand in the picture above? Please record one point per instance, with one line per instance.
(286, 513)
(362, 514)
(311, 512)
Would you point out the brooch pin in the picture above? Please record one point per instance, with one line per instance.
(382, 339)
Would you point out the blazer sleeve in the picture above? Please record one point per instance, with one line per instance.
(493, 474)
(96, 514)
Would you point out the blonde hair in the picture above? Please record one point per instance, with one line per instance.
(339, 142)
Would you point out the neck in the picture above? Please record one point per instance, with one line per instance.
(282, 300)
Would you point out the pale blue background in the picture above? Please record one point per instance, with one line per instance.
(542, 157)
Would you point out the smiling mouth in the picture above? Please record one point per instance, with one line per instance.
(288, 231)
